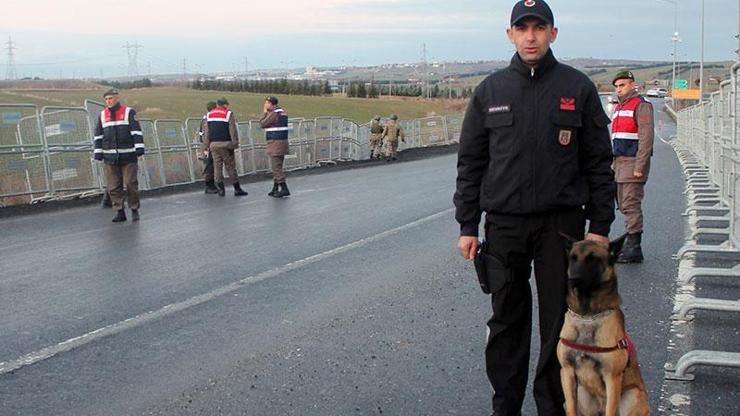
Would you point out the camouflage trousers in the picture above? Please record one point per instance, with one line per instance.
(391, 147)
(629, 201)
(376, 145)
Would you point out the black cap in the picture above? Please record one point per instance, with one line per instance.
(532, 8)
(272, 100)
(111, 91)
(623, 75)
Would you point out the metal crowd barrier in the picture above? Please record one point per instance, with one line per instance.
(46, 153)
(708, 146)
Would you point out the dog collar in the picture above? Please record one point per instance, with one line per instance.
(596, 317)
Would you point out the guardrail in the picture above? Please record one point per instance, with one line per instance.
(46, 154)
(708, 147)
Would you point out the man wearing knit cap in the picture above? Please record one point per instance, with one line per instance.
(632, 138)
(535, 156)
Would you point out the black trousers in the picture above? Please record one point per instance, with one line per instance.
(518, 242)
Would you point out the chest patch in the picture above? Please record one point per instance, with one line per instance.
(564, 138)
(568, 104)
(495, 109)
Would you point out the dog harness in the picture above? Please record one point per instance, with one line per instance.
(623, 344)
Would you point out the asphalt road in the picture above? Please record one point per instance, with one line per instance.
(348, 298)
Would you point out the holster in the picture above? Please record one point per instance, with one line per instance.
(492, 273)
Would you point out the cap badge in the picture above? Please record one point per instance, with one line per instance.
(529, 3)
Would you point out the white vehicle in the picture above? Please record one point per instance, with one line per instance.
(657, 92)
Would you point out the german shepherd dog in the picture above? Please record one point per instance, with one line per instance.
(600, 374)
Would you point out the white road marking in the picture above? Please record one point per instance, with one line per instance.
(142, 319)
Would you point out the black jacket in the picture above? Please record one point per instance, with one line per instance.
(118, 137)
(535, 141)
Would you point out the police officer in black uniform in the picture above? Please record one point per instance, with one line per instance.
(535, 156)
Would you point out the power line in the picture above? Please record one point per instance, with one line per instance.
(133, 53)
(10, 72)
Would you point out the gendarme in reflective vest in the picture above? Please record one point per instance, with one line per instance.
(624, 128)
(218, 124)
(279, 130)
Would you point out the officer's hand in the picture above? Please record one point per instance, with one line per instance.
(468, 246)
(637, 174)
(598, 238)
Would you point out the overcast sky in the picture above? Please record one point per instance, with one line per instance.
(85, 38)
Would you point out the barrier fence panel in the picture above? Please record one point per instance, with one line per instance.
(454, 127)
(245, 153)
(308, 134)
(433, 131)
(259, 158)
(349, 144)
(66, 133)
(192, 127)
(23, 169)
(177, 163)
(323, 148)
(151, 175)
(93, 111)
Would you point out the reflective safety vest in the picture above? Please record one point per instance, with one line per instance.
(625, 139)
(218, 124)
(118, 136)
(279, 130)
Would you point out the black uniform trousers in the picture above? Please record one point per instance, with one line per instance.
(517, 241)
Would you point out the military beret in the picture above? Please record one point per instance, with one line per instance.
(623, 75)
(222, 101)
(272, 100)
(111, 91)
(211, 105)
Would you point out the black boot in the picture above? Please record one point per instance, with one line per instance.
(274, 189)
(238, 191)
(120, 216)
(282, 191)
(107, 203)
(134, 215)
(632, 250)
(221, 189)
(211, 188)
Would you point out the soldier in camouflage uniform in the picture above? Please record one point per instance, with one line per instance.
(376, 138)
(391, 133)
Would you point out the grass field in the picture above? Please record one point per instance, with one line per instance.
(171, 102)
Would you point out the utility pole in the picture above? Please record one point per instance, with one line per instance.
(701, 63)
(133, 53)
(11, 72)
(425, 85)
(675, 39)
(246, 67)
(185, 67)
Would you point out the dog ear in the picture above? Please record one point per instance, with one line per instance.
(615, 247)
(569, 241)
